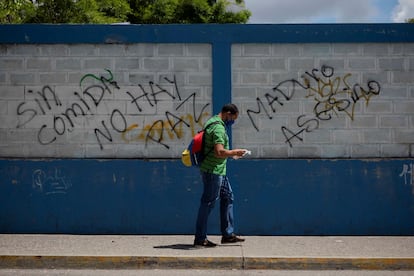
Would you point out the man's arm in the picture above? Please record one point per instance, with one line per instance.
(221, 152)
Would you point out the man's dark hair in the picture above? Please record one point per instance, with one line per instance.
(232, 108)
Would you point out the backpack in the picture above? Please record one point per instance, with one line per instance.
(193, 155)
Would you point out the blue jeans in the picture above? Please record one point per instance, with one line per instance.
(215, 187)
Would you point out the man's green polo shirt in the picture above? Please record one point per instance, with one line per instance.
(215, 134)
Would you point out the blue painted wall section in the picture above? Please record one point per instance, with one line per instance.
(295, 197)
(206, 33)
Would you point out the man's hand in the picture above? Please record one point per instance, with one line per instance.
(240, 153)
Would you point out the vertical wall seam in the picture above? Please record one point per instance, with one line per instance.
(222, 94)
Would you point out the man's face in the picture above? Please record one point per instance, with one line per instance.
(231, 117)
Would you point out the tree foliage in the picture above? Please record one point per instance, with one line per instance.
(15, 11)
(187, 11)
(222, 14)
(80, 11)
(116, 11)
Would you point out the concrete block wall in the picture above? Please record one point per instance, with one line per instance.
(72, 99)
(325, 100)
(95, 100)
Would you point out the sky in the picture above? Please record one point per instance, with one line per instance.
(329, 11)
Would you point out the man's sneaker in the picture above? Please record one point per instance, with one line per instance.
(204, 243)
(231, 239)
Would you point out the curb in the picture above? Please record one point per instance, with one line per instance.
(330, 263)
(148, 262)
(119, 262)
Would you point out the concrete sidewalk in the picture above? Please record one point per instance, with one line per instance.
(257, 252)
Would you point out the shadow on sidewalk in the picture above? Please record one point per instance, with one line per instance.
(176, 246)
(188, 246)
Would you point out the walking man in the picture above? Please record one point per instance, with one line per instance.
(215, 181)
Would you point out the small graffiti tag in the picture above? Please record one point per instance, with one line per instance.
(50, 182)
(407, 173)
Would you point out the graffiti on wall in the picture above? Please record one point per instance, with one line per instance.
(408, 174)
(332, 95)
(171, 126)
(91, 96)
(51, 181)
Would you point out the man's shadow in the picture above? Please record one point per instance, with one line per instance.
(177, 246)
(181, 246)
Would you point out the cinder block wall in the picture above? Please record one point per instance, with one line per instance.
(95, 100)
(90, 113)
(145, 100)
(326, 100)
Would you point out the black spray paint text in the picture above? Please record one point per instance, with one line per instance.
(90, 97)
(332, 96)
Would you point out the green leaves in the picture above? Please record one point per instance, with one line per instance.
(15, 11)
(187, 11)
(133, 11)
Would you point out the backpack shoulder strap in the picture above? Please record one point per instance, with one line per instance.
(205, 128)
(210, 124)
